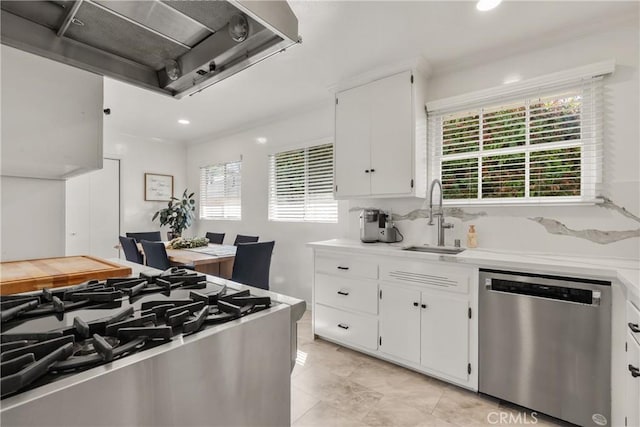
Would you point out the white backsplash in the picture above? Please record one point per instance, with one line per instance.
(509, 228)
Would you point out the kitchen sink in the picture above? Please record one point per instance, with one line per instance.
(434, 249)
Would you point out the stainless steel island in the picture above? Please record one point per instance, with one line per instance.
(235, 373)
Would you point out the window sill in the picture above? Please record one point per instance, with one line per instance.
(520, 203)
(293, 221)
(219, 219)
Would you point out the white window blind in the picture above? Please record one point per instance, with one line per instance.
(301, 185)
(542, 148)
(220, 191)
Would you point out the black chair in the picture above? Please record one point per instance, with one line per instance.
(156, 255)
(149, 236)
(252, 263)
(131, 251)
(245, 239)
(216, 238)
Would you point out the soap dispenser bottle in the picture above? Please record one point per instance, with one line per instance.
(472, 238)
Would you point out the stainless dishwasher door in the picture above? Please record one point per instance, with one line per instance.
(545, 344)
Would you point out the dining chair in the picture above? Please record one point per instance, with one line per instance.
(156, 255)
(131, 251)
(149, 236)
(252, 263)
(240, 238)
(216, 238)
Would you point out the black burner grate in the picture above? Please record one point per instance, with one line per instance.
(139, 320)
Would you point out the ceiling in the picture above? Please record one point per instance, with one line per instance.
(345, 39)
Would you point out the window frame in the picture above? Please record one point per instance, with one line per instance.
(202, 194)
(305, 147)
(589, 143)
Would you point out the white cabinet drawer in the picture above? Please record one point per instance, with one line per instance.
(359, 295)
(347, 266)
(421, 273)
(346, 327)
(633, 320)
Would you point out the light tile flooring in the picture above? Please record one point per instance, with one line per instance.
(335, 386)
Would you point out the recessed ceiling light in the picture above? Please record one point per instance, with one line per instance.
(261, 140)
(484, 5)
(184, 121)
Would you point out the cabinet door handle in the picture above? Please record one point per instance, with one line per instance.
(373, 170)
(634, 327)
(635, 372)
(343, 268)
(343, 326)
(366, 171)
(415, 304)
(424, 306)
(343, 293)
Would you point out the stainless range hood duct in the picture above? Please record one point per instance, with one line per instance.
(175, 47)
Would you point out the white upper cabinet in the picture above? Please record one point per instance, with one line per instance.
(353, 142)
(380, 139)
(51, 117)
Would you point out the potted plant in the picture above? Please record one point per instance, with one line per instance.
(178, 215)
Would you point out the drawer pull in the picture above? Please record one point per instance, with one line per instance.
(343, 326)
(342, 268)
(635, 372)
(634, 327)
(343, 293)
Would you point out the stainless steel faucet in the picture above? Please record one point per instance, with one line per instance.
(440, 214)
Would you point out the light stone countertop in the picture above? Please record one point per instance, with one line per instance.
(619, 270)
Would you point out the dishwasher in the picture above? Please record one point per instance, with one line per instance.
(545, 344)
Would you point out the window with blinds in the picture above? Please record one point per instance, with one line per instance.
(220, 191)
(301, 185)
(538, 149)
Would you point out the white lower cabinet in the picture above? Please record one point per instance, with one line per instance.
(632, 386)
(632, 371)
(417, 314)
(428, 328)
(444, 334)
(400, 322)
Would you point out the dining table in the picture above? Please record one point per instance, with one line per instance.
(213, 259)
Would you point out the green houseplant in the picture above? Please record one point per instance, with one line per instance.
(178, 214)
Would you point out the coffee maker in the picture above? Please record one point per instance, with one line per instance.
(386, 228)
(377, 226)
(369, 226)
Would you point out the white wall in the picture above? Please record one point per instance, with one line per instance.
(138, 156)
(291, 265)
(32, 218)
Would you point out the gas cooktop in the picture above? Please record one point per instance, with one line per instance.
(56, 332)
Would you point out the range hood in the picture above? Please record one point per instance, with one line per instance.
(175, 47)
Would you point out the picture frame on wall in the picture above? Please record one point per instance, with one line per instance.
(157, 187)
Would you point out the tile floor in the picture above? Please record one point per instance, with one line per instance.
(335, 386)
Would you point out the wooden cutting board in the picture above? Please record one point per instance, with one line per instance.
(35, 274)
